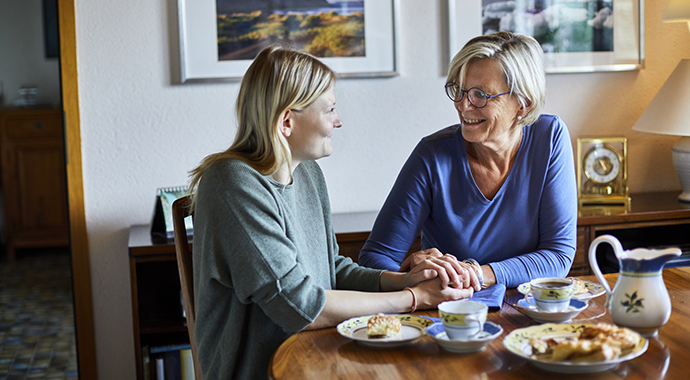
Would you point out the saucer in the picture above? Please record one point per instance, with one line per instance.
(491, 332)
(592, 290)
(576, 306)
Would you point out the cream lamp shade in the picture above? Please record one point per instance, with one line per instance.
(677, 10)
(669, 114)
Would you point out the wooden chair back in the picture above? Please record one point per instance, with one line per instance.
(180, 210)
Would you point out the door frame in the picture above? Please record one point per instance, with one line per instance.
(81, 272)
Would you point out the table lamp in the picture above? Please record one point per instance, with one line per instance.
(669, 111)
(677, 10)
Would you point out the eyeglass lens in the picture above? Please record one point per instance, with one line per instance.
(477, 97)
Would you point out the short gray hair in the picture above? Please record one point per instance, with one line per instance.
(521, 59)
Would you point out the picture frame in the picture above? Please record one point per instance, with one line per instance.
(618, 48)
(199, 44)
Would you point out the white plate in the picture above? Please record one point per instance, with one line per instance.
(592, 290)
(413, 327)
(517, 342)
(576, 306)
(491, 332)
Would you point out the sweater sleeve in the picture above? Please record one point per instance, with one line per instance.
(401, 218)
(556, 247)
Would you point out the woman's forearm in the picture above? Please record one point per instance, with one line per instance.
(342, 305)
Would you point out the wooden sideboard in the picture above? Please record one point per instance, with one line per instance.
(655, 219)
(33, 178)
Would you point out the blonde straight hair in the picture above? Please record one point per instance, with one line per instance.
(521, 59)
(279, 79)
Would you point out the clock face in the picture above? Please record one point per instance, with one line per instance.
(602, 165)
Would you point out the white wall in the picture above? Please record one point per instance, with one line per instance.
(140, 131)
(22, 53)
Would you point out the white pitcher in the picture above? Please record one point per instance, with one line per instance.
(639, 299)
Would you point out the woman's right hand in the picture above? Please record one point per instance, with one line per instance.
(431, 293)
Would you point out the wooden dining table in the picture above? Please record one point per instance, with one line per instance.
(325, 354)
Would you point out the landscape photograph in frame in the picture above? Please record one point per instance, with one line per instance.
(323, 28)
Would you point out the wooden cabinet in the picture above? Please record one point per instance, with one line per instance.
(155, 283)
(33, 178)
(655, 219)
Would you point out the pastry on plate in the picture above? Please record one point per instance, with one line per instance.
(596, 343)
(383, 326)
(578, 286)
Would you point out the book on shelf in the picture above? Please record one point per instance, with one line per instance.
(187, 364)
(173, 371)
(167, 348)
(146, 362)
(172, 361)
(160, 368)
(162, 222)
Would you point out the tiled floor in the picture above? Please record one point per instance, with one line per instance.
(37, 316)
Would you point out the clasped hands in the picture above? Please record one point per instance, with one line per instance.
(432, 264)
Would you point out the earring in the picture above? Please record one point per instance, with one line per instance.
(519, 117)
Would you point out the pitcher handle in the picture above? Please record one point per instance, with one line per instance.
(617, 248)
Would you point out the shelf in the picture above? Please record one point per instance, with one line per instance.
(160, 327)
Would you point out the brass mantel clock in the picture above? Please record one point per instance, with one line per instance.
(602, 172)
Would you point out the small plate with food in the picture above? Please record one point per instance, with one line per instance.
(575, 348)
(583, 290)
(576, 306)
(381, 330)
(490, 332)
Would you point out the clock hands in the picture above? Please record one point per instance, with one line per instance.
(602, 165)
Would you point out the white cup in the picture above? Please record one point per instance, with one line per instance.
(551, 294)
(463, 319)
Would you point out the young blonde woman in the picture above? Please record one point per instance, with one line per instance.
(266, 261)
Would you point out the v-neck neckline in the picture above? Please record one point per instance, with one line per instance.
(468, 167)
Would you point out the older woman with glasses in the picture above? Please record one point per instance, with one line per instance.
(496, 190)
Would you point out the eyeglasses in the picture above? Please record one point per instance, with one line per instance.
(477, 97)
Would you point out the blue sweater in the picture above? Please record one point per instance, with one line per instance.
(527, 230)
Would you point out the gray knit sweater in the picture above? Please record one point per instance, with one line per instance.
(263, 255)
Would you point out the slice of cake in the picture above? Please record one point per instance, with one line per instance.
(383, 326)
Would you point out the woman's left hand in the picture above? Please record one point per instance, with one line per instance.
(416, 258)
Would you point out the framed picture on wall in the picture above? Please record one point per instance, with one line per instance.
(576, 36)
(220, 38)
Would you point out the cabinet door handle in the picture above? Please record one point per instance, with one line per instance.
(38, 125)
